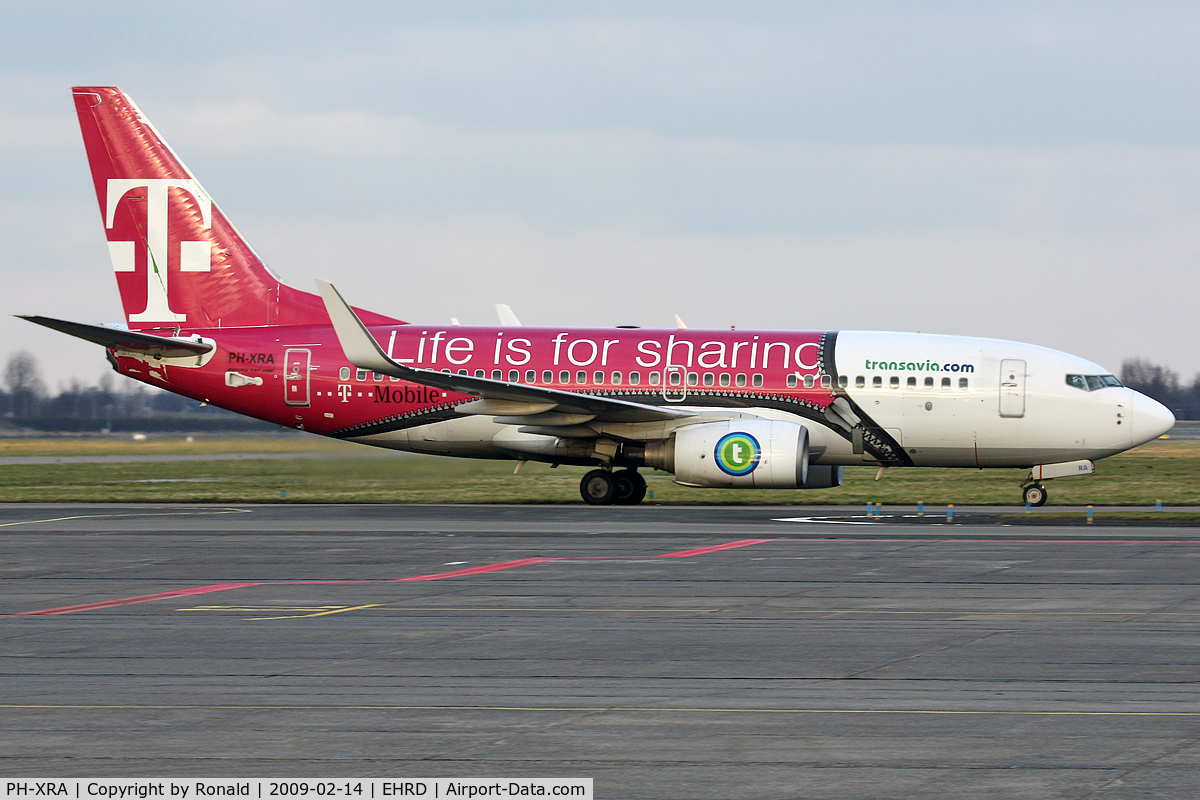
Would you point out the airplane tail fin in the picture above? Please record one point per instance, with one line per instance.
(179, 262)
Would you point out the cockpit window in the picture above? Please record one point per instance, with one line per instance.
(1090, 383)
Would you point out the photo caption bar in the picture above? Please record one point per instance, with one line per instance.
(258, 788)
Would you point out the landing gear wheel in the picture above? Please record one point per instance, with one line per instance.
(1035, 494)
(631, 487)
(598, 488)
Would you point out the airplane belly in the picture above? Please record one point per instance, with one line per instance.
(469, 437)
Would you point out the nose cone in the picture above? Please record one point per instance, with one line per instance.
(1150, 419)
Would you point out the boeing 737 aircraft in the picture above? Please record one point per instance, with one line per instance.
(205, 318)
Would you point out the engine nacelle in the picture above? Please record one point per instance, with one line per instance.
(742, 454)
(824, 476)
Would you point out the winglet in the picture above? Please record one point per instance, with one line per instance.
(507, 317)
(357, 342)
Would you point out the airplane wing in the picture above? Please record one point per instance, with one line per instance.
(148, 343)
(513, 403)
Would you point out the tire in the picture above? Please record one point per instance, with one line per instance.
(631, 487)
(598, 488)
(1035, 494)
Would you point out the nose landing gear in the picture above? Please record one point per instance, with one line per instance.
(601, 487)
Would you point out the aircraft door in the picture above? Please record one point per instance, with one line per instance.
(1012, 387)
(296, 362)
(674, 387)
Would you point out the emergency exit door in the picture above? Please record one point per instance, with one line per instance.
(295, 376)
(1012, 388)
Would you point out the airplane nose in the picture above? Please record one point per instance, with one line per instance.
(1150, 419)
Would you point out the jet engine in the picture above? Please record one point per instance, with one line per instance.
(742, 454)
(824, 476)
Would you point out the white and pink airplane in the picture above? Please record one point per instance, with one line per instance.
(748, 409)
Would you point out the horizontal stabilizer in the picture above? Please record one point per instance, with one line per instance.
(120, 339)
(364, 352)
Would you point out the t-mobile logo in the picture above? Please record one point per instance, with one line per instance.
(195, 256)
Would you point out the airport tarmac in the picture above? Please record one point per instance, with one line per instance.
(666, 652)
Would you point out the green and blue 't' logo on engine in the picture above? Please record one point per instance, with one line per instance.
(737, 453)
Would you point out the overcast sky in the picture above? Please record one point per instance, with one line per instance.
(1026, 171)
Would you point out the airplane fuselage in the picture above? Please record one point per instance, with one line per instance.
(923, 399)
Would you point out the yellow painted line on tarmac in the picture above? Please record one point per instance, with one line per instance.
(556, 609)
(308, 611)
(601, 709)
(183, 513)
(738, 611)
(337, 610)
(248, 609)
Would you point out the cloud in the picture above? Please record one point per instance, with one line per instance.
(1024, 171)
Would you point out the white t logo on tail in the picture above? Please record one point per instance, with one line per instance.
(193, 256)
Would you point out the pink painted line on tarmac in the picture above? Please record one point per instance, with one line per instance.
(225, 587)
(699, 551)
(845, 540)
(128, 601)
(437, 576)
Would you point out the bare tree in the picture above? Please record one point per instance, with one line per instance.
(24, 383)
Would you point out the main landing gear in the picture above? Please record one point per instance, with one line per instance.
(624, 487)
(1035, 494)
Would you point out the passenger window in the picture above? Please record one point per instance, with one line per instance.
(945, 383)
(740, 380)
(860, 382)
(709, 380)
(564, 377)
(877, 382)
(673, 378)
(826, 382)
(655, 379)
(460, 372)
(616, 378)
(480, 373)
(514, 376)
(531, 376)
(843, 381)
(963, 383)
(497, 375)
(581, 377)
(791, 381)
(809, 381)
(693, 379)
(724, 379)
(912, 382)
(360, 375)
(547, 376)
(344, 374)
(598, 378)
(757, 380)
(894, 382)
(394, 379)
(635, 378)
(378, 377)
(929, 383)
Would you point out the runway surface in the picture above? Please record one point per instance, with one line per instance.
(663, 651)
